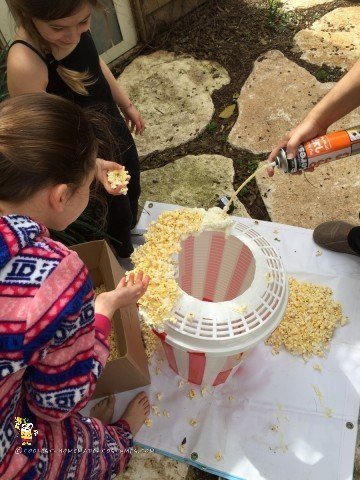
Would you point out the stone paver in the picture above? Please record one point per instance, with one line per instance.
(333, 40)
(301, 4)
(173, 94)
(192, 181)
(332, 194)
(264, 118)
(152, 466)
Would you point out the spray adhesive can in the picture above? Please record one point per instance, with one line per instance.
(324, 149)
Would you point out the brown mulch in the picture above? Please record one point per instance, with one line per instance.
(234, 33)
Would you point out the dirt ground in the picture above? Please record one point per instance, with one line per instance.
(234, 33)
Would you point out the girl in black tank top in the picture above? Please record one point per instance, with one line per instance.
(122, 209)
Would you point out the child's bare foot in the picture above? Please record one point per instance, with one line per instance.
(136, 412)
(104, 410)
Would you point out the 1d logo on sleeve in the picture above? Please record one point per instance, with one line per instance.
(27, 271)
(26, 430)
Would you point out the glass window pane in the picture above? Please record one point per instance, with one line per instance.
(106, 34)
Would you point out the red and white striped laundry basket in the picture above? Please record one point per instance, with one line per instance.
(234, 294)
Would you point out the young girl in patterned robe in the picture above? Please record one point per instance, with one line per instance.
(53, 337)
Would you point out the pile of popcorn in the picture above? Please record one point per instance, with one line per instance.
(155, 257)
(309, 322)
(117, 178)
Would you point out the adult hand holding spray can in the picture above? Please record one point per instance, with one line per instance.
(319, 150)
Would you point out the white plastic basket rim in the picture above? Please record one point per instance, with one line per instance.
(221, 326)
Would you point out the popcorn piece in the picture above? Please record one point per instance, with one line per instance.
(204, 391)
(148, 422)
(318, 392)
(190, 316)
(318, 253)
(218, 456)
(309, 322)
(329, 412)
(158, 371)
(193, 422)
(117, 178)
(231, 398)
(269, 278)
(344, 321)
(191, 394)
(166, 413)
(156, 410)
(100, 289)
(240, 308)
(275, 231)
(181, 448)
(274, 428)
(317, 367)
(159, 396)
(181, 383)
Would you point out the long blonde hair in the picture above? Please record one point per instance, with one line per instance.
(24, 11)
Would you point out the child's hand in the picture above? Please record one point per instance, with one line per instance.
(133, 119)
(102, 167)
(125, 294)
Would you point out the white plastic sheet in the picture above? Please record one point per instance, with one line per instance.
(267, 421)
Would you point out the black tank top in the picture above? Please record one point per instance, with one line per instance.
(84, 58)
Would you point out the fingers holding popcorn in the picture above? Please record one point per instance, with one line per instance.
(127, 292)
(118, 180)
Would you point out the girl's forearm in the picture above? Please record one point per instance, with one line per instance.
(341, 99)
(119, 95)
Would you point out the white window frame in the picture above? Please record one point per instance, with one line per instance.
(128, 30)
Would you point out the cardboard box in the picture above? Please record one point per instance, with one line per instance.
(130, 370)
